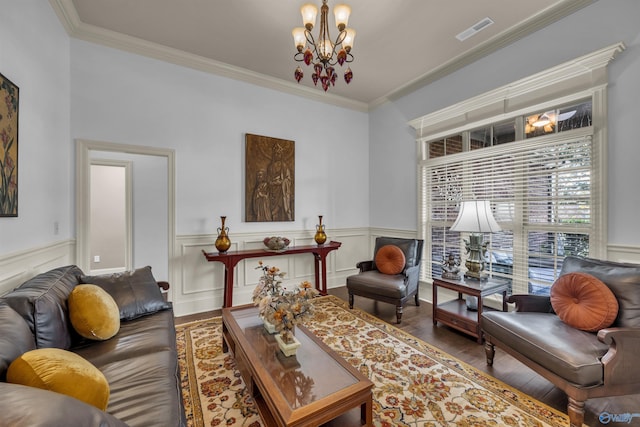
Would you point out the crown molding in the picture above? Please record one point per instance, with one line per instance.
(534, 23)
(567, 75)
(69, 18)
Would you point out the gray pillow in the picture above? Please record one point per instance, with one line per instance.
(15, 338)
(136, 292)
(42, 303)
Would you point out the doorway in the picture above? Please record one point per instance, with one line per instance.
(110, 206)
(152, 226)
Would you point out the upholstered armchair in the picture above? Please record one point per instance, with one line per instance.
(584, 337)
(392, 276)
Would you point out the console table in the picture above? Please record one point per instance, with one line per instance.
(231, 258)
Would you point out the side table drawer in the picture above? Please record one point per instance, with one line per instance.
(455, 321)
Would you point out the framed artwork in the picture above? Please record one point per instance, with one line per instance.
(269, 179)
(9, 147)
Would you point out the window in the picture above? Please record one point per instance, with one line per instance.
(541, 193)
(541, 166)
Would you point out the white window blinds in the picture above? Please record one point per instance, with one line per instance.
(542, 194)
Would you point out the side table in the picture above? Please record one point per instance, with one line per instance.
(455, 313)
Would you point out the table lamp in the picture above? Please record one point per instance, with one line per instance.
(475, 217)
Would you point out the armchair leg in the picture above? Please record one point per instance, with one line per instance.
(575, 409)
(399, 313)
(350, 300)
(490, 352)
(417, 299)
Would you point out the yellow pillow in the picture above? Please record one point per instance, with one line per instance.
(93, 312)
(61, 371)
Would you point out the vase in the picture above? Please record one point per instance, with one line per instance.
(270, 327)
(320, 236)
(288, 349)
(222, 242)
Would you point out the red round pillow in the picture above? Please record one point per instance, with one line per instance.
(584, 302)
(390, 259)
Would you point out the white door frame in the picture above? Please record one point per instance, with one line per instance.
(83, 191)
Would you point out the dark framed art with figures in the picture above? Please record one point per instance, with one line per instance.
(269, 179)
(9, 94)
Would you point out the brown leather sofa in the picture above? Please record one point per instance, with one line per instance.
(140, 362)
(583, 364)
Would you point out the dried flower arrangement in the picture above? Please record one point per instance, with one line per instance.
(283, 307)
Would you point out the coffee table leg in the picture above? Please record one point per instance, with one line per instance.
(225, 346)
(366, 412)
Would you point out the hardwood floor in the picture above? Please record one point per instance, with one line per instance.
(417, 321)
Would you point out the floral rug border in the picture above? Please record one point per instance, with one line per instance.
(511, 395)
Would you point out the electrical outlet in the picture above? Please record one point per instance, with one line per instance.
(56, 227)
(96, 258)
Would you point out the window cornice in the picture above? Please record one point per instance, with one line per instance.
(583, 73)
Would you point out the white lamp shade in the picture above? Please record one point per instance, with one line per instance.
(475, 216)
(309, 12)
(341, 12)
(347, 43)
(299, 38)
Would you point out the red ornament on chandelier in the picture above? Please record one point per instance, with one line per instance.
(324, 53)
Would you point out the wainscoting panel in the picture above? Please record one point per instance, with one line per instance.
(19, 267)
(199, 284)
(354, 249)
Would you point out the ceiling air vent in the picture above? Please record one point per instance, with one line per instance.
(474, 29)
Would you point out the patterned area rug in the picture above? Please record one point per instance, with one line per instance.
(415, 384)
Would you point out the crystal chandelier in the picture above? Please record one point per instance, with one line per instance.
(323, 52)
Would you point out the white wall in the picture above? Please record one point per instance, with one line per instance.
(34, 54)
(392, 141)
(125, 98)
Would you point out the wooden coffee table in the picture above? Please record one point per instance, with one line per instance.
(315, 387)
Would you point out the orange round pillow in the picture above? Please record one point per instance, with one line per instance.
(584, 302)
(390, 259)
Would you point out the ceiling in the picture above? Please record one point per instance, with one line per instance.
(400, 44)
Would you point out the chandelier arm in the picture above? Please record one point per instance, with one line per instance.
(340, 39)
(310, 39)
(312, 43)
